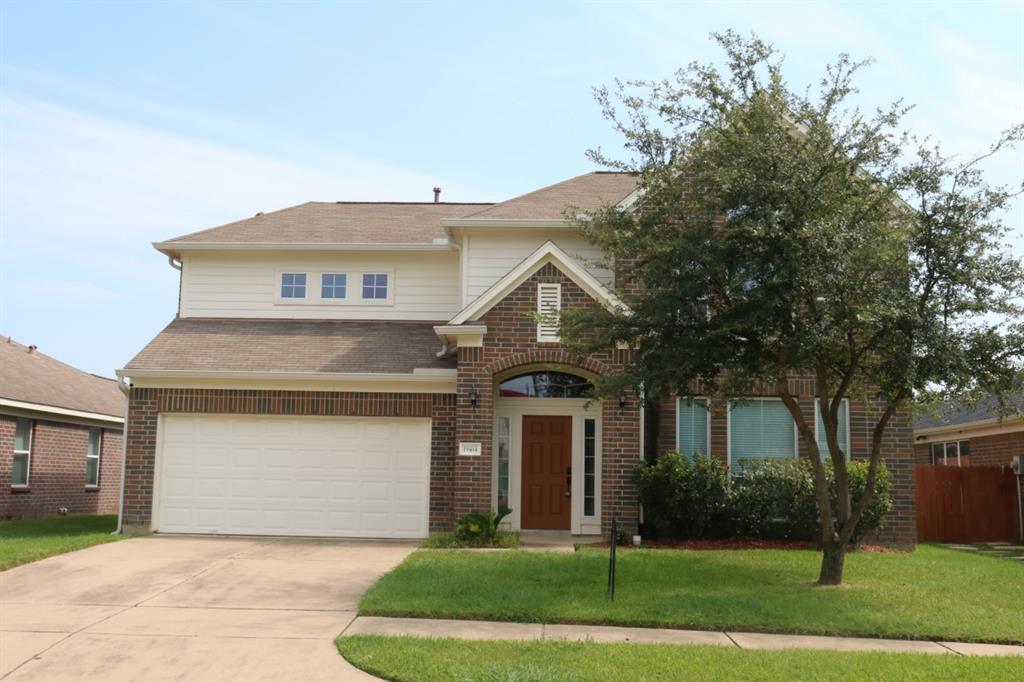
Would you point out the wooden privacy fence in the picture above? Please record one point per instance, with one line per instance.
(966, 504)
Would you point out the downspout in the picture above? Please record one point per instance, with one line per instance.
(124, 457)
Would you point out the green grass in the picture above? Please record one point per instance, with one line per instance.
(448, 540)
(425, 660)
(932, 593)
(34, 539)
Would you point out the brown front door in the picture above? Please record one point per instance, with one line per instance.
(547, 473)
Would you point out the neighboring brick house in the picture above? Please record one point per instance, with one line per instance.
(60, 437)
(955, 435)
(377, 369)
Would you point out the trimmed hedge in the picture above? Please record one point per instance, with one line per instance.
(769, 499)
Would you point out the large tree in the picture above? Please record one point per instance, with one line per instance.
(781, 233)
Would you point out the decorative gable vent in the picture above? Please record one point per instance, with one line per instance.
(549, 305)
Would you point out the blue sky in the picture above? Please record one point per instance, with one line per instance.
(127, 123)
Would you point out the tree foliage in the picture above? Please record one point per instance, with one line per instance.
(780, 232)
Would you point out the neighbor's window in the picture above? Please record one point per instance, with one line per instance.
(92, 458)
(842, 429)
(589, 466)
(333, 285)
(375, 286)
(760, 429)
(691, 426)
(503, 460)
(22, 452)
(293, 285)
(546, 385)
(951, 453)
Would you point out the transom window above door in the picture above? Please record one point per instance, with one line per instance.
(546, 385)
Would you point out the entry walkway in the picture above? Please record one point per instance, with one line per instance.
(477, 630)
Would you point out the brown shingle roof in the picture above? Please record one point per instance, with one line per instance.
(248, 345)
(317, 222)
(37, 378)
(585, 192)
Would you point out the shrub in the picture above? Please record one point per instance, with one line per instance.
(480, 528)
(683, 498)
(874, 514)
(774, 499)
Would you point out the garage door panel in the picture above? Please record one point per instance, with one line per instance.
(345, 477)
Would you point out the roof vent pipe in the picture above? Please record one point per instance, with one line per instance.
(32, 348)
(437, 195)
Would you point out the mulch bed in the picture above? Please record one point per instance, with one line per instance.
(737, 543)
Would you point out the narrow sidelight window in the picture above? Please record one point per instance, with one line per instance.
(333, 285)
(589, 466)
(22, 452)
(503, 460)
(691, 427)
(293, 285)
(842, 430)
(92, 458)
(375, 287)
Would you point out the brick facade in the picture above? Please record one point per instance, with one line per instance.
(994, 450)
(57, 471)
(146, 404)
(511, 342)
(897, 449)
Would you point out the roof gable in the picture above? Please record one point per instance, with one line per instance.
(549, 252)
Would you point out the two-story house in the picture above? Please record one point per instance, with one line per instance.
(377, 369)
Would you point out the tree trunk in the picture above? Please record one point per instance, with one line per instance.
(832, 559)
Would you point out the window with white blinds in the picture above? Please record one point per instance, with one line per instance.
(760, 429)
(842, 429)
(549, 305)
(691, 427)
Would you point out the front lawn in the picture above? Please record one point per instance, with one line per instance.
(932, 593)
(424, 660)
(34, 539)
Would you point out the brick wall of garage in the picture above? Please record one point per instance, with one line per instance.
(57, 471)
(897, 448)
(146, 404)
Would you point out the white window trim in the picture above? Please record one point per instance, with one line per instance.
(583, 467)
(846, 411)
(728, 428)
(333, 301)
(707, 404)
(99, 449)
(28, 459)
(353, 288)
(945, 457)
(278, 284)
(390, 300)
(547, 332)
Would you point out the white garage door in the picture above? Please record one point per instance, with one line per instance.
(319, 476)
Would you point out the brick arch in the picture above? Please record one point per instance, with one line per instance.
(546, 357)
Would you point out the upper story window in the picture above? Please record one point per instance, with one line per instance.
(333, 285)
(22, 452)
(92, 458)
(375, 286)
(546, 385)
(293, 285)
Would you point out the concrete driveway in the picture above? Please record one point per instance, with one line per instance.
(188, 608)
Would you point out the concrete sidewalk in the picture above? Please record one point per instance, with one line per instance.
(481, 630)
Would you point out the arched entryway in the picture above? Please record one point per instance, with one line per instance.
(547, 448)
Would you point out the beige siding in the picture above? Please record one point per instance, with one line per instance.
(425, 285)
(490, 256)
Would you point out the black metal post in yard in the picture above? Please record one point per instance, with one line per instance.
(611, 562)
